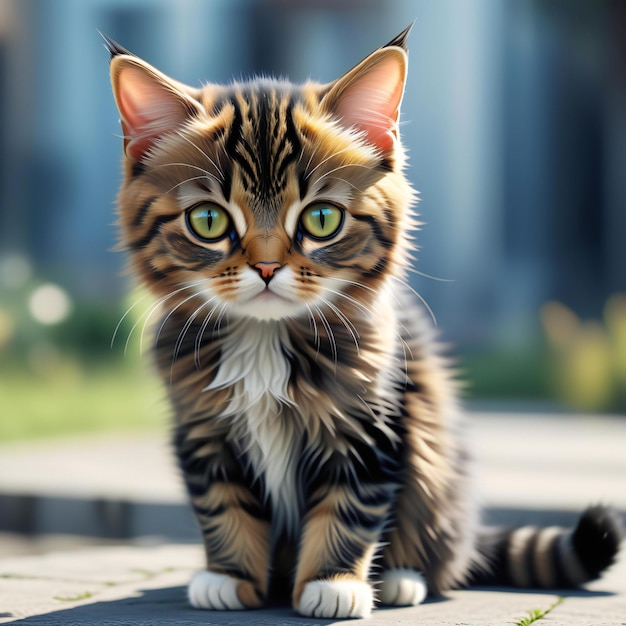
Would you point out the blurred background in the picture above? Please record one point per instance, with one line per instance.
(515, 122)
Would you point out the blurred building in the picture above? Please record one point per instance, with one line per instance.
(514, 116)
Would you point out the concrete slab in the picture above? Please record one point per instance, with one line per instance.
(523, 460)
(146, 586)
(124, 466)
(540, 469)
(548, 461)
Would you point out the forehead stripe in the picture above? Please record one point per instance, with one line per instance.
(263, 145)
(290, 135)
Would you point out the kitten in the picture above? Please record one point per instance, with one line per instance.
(316, 424)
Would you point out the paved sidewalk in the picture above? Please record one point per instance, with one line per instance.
(146, 586)
(530, 467)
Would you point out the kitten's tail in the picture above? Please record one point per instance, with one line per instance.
(551, 557)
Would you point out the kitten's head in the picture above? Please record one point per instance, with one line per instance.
(266, 199)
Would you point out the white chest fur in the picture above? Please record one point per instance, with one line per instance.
(254, 364)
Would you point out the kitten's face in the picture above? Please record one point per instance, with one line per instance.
(263, 200)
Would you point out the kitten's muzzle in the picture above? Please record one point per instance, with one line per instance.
(266, 253)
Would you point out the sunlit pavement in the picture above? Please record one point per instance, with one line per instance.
(538, 469)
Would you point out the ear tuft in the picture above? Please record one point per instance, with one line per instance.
(112, 47)
(400, 41)
(368, 97)
(150, 104)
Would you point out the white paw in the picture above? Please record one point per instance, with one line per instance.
(336, 598)
(402, 587)
(208, 590)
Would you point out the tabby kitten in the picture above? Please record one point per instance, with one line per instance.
(316, 424)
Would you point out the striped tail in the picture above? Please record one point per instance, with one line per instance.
(551, 557)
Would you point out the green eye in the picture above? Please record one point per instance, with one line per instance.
(321, 220)
(208, 221)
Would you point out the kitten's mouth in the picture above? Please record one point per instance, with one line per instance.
(268, 305)
(267, 295)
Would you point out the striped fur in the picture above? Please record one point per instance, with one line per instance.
(551, 557)
(316, 424)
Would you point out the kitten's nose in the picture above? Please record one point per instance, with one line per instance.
(266, 270)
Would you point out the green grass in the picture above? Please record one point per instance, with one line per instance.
(537, 614)
(73, 401)
(76, 598)
(521, 374)
(69, 396)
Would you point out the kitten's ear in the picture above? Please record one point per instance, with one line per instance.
(150, 103)
(368, 97)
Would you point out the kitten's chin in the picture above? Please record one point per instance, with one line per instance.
(269, 306)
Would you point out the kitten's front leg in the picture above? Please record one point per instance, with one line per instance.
(235, 530)
(236, 540)
(340, 537)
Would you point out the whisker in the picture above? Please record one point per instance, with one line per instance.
(160, 302)
(130, 308)
(149, 313)
(308, 163)
(200, 335)
(184, 182)
(419, 273)
(313, 326)
(190, 166)
(183, 332)
(355, 301)
(347, 182)
(341, 167)
(345, 321)
(357, 284)
(403, 344)
(328, 158)
(405, 347)
(202, 152)
(172, 311)
(329, 334)
(218, 321)
(370, 289)
(350, 299)
(419, 297)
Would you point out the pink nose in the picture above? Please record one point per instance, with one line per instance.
(267, 269)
